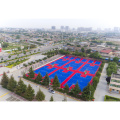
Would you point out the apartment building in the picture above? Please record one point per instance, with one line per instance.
(115, 83)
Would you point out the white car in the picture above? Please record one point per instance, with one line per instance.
(52, 91)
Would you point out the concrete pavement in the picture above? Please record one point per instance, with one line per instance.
(102, 87)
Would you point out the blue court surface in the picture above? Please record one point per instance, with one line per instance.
(97, 62)
(90, 61)
(71, 58)
(74, 65)
(60, 62)
(65, 57)
(87, 67)
(43, 70)
(84, 60)
(77, 59)
(82, 81)
(61, 75)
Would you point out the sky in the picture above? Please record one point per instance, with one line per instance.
(46, 13)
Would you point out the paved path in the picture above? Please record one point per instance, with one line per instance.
(102, 87)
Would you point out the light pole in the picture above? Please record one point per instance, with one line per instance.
(49, 82)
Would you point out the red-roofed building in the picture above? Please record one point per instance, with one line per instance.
(106, 53)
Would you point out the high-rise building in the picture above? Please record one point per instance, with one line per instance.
(84, 29)
(116, 29)
(62, 27)
(53, 27)
(66, 27)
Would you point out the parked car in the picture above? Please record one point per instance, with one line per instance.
(51, 91)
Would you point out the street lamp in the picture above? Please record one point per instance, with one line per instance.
(49, 82)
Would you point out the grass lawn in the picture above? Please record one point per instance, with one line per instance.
(12, 46)
(110, 98)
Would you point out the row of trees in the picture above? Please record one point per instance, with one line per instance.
(95, 55)
(21, 89)
(112, 68)
(46, 81)
(82, 53)
(86, 94)
(55, 84)
(88, 91)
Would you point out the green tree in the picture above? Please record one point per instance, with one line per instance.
(116, 59)
(4, 80)
(88, 51)
(29, 93)
(5, 45)
(19, 49)
(21, 88)
(100, 69)
(38, 79)
(46, 80)
(112, 68)
(56, 82)
(31, 72)
(95, 82)
(95, 55)
(76, 90)
(66, 88)
(98, 74)
(82, 49)
(40, 96)
(51, 99)
(18, 37)
(88, 92)
(11, 84)
(9, 56)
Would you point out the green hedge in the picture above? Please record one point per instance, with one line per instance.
(110, 98)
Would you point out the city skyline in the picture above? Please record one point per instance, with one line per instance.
(48, 23)
(44, 14)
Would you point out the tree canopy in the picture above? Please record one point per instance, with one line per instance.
(40, 96)
(4, 80)
(51, 99)
(31, 72)
(88, 92)
(46, 80)
(56, 82)
(66, 88)
(38, 79)
(21, 88)
(76, 90)
(11, 84)
(112, 68)
(95, 55)
(29, 93)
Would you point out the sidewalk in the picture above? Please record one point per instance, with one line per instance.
(102, 87)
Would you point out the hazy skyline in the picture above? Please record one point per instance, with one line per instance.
(47, 23)
(73, 13)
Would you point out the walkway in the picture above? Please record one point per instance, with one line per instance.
(102, 87)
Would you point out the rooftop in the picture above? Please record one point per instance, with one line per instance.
(106, 51)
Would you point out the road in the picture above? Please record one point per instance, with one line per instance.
(102, 87)
(42, 49)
